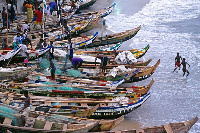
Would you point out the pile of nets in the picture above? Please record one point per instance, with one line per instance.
(74, 73)
(45, 66)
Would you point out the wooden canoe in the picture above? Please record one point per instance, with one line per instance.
(15, 73)
(181, 127)
(143, 73)
(115, 38)
(92, 91)
(111, 66)
(45, 124)
(73, 111)
(136, 52)
(106, 125)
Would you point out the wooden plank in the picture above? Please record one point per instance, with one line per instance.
(48, 125)
(64, 127)
(7, 121)
(168, 128)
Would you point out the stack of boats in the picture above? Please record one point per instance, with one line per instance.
(77, 100)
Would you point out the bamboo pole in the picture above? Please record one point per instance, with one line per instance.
(7, 20)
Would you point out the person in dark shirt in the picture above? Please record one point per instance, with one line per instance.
(26, 109)
(51, 51)
(184, 63)
(53, 69)
(178, 59)
(76, 62)
(39, 45)
(104, 60)
(52, 6)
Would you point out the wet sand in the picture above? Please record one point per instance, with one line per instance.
(120, 8)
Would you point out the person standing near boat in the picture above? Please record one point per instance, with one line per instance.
(16, 40)
(26, 109)
(51, 51)
(39, 16)
(104, 60)
(53, 69)
(25, 27)
(76, 62)
(178, 59)
(24, 53)
(184, 63)
(38, 47)
(27, 40)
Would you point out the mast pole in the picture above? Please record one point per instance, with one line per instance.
(7, 21)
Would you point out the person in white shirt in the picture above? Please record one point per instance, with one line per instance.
(16, 40)
(24, 53)
(25, 26)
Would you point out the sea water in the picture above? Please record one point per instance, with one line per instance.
(169, 26)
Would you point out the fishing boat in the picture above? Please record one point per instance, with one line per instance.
(86, 4)
(179, 127)
(15, 73)
(115, 38)
(110, 47)
(114, 111)
(107, 108)
(113, 64)
(83, 3)
(103, 125)
(106, 125)
(11, 121)
(7, 57)
(84, 16)
(32, 55)
(138, 53)
(78, 42)
(84, 90)
(69, 111)
(136, 74)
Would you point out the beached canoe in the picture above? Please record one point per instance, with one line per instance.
(115, 38)
(6, 58)
(179, 127)
(131, 76)
(111, 66)
(84, 16)
(52, 124)
(78, 42)
(116, 111)
(15, 73)
(83, 4)
(138, 53)
(91, 92)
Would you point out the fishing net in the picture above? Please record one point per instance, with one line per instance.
(6, 112)
(74, 73)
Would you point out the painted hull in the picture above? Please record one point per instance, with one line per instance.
(115, 112)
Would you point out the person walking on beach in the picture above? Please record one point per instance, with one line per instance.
(25, 27)
(29, 11)
(39, 16)
(104, 60)
(26, 109)
(184, 63)
(178, 59)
